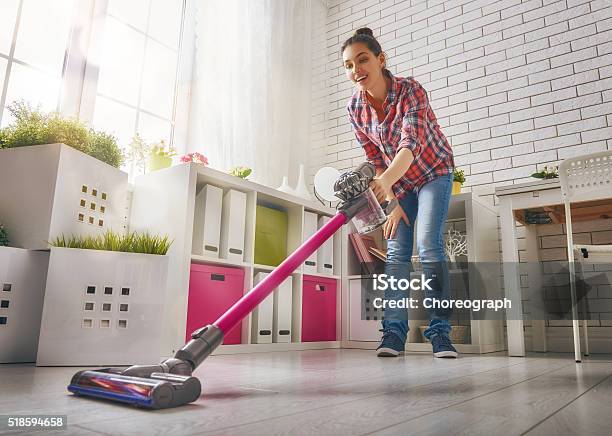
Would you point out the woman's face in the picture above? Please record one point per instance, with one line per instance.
(362, 67)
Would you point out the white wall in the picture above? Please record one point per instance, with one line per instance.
(515, 85)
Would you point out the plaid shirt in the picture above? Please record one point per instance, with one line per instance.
(409, 123)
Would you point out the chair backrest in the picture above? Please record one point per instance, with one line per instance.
(586, 177)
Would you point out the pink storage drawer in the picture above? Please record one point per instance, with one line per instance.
(212, 290)
(318, 309)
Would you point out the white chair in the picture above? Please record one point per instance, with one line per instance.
(583, 178)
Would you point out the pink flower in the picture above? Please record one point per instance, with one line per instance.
(195, 157)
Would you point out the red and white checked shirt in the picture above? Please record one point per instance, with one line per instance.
(409, 123)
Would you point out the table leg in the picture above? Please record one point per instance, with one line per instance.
(538, 326)
(512, 285)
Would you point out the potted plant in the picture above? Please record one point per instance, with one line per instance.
(137, 154)
(242, 172)
(458, 180)
(34, 127)
(63, 178)
(22, 287)
(104, 299)
(160, 156)
(546, 173)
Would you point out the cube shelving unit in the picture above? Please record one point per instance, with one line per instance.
(56, 189)
(102, 308)
(22, 287)
(165, 201)
(482, 246)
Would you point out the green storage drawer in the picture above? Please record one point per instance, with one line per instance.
(270, 236)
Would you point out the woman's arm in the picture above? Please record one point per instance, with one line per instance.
(384, 180)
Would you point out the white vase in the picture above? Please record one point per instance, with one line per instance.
(300, 189)
(284, 187)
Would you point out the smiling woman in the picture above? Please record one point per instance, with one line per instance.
(399, 132)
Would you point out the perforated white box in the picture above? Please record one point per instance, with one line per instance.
(22, 288)
(53, 189)
(102, 308)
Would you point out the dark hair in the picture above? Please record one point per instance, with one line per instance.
(366, 36)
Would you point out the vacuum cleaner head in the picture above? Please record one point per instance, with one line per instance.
(158, 391)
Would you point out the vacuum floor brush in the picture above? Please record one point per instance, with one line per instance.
(170, 383)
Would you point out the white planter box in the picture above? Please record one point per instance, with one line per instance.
(22, 287)
(102, 308)
(47, 190)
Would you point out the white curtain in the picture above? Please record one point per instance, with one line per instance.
(251, 88)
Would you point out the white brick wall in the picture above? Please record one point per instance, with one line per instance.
(515, 84)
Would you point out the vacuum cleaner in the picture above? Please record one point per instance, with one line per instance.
(170, 383)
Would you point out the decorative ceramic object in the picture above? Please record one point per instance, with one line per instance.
(284, 187)
(301, 190)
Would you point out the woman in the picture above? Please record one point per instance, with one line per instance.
(394, 123)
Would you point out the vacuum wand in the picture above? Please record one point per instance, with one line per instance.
(170, 383)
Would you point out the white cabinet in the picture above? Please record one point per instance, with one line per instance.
(22, 288)
(478, 222)
(165, 202)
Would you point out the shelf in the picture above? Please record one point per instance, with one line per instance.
(216, 261)
(325, 276)
(268, 348)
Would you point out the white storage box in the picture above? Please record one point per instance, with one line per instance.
(22, 287)
(53, 189)
(102, 308)
(325, 253)
(281, 324)
(233, 225)
(309, 229)
(207, 221)
(263, 316)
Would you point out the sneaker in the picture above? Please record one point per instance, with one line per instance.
(390, 345)
(442, 346)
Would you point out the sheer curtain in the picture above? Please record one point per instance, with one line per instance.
(251, 85)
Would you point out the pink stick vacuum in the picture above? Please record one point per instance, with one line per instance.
(171, 383)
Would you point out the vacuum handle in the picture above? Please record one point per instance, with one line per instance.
(249, 301)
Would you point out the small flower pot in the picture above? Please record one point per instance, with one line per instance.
(157, 162)
(456, 188)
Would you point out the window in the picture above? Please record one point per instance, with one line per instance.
(32, 71)
(135, 88)
(120, 78)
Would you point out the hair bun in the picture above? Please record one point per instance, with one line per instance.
(364, 31)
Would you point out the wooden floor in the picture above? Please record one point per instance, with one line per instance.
(343, 391)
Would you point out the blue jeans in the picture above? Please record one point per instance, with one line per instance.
(428, 207)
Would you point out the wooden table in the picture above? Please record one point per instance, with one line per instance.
(516, 204)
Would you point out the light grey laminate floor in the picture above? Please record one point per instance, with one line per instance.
(345, 392)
